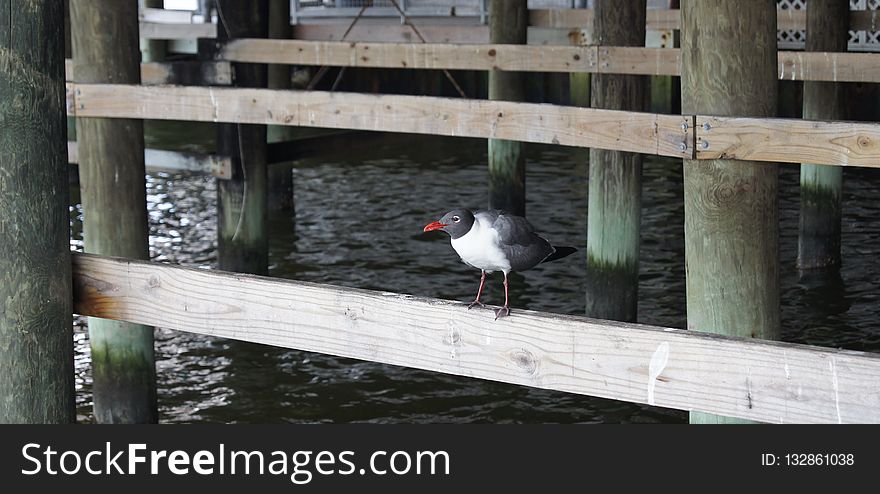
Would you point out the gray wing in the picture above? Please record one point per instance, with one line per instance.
(517, 238)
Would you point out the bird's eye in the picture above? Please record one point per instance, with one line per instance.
(456, 219)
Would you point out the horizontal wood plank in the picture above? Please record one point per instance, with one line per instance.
(541, 123)
(829, 66)
(433, 33)
(638, 61)
(789, 141)
(523, 58)
(800, 66)
(751, 379)
(173, 161)
(167, 16)
(162, 30)
(212, 73)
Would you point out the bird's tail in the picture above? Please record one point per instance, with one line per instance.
(560, 253)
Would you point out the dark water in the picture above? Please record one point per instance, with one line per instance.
(358, 223)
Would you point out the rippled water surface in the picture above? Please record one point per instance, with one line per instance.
(358, 223)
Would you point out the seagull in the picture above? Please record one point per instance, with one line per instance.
(496, 240)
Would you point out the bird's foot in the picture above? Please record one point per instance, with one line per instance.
(502, 312)
(476, 302)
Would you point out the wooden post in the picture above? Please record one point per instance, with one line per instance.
(36, 335)
(242, 200)
(152, 50)
(280, 175)
(615, 181)
(111, 162)
(731, 214)
(819, 239)
(508, 21)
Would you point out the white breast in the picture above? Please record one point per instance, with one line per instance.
(479, 248)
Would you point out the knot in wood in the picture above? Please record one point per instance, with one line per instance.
(524, 360)
(453, 337)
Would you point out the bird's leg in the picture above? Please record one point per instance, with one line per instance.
(503, 311)
(479, 292)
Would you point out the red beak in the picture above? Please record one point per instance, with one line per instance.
(434, 226)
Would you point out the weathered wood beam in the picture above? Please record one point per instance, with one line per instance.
(615, 177)
(759, 139)
(792, 65)
(508, 57)
(385, 32)
(753, 379)
(184, 73)
(789, 141)
(731, 222)
(568, 126)
(162, 30)
(111, 155)
(36, 335)
(164, 160)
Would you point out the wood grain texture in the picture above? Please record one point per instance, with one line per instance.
(828, 66)
(568, 126)
(760, 380)
(731, 211)
(383, 32)
(637, 60)
(36, 336)
(111, 156)
(180, 73)
(507, 57)
(791, 65)
(789, 140)
(615, 177)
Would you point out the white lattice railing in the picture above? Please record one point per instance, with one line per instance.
(794, 39)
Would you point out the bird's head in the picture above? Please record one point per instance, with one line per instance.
(456, 223)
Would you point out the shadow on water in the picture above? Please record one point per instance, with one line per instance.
(358, 223)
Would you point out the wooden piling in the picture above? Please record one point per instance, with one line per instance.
(280, 176)
(819, 235)
(36, 337)
(111, 159)
(731, 214)
(242, 200)
(615, 181)
(508, 23)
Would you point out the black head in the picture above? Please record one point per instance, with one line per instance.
(456, 223)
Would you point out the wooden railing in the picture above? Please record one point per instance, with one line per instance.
(746, 378)
(801, 66)
(684, 136)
